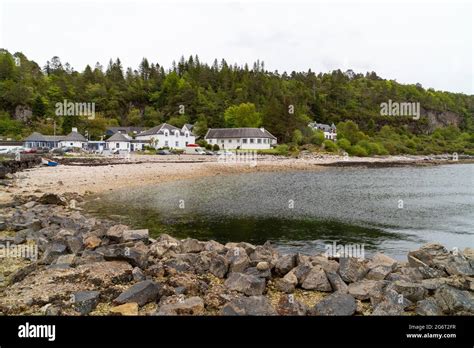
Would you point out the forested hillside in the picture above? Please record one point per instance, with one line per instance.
(215, 95)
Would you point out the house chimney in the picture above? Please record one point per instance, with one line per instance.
(74, 129)
(262, 129)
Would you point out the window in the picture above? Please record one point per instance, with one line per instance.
(244, 141)
(177, 144)
(166, 143)
(187, 134)
(259, 141)
(222, 141)
(166, 134)
(176, 133)
(238, 140)
(187, 143)
(229, 141)
(252, 141)
(117, 145)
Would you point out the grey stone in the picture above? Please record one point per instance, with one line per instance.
(138, 275)
(135, 235)
(337, 303)
(219, 266)
(364, 289)
(115, 233)
(285, 264)
(428, 306)
(238, 259)
(412, 291)
(245, 283)
(351, 269)
(141, 293)
(253, 305)
(288, 305)
(336, 282)
(454, 301)
(53, 250)
(190, 245)
(86, 301)
(136, 255)
(316, 280)
(189, 306)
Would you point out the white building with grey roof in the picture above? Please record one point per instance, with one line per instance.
(241, 138)
(166, 135)
(330, 131)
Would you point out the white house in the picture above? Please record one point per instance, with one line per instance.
(329, 131)
(166, 135)
(73, 139)
(118, 141)
(241, 138)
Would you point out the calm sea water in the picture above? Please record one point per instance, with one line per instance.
(389, 209)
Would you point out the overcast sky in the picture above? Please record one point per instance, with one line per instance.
(410, 41)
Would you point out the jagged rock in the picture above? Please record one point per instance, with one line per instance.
(365, 289)
(301, 271)
(238, 259)
(285, 264)
(67, 259)
(327, 264)
(51, 198)
(165, 246)
(86, 301)
(284, 285)
(136, 255)
(115, 233)
(74, 244)
(138, 275)
(428, 306)
(135, 235)
(130, 308)
(454, 301)
(212, 245)
(380, 259)
(245, 283)
(336, 282)
(141, 293)
(412, 291)
(288, 305)
(378, 272)
(177, 265)
(187, 283)
(190, 245)
(253, 305)
(52, 252)
(262, 253)
(267, 274)
(335, 304)
(316, 280)
(189, 306)
(436, 256)
(351, 269)
(391, 296)
(219, 266)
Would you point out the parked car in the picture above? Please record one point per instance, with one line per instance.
(225, 153)
(163, 152)
(209, 153)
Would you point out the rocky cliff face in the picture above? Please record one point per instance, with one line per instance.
(437, 119)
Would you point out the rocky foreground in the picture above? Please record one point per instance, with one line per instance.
(87, 266)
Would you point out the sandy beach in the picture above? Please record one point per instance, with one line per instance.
(97, 175)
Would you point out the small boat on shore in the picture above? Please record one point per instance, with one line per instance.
(48, 162)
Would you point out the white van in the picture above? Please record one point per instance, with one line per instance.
(194, 150)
